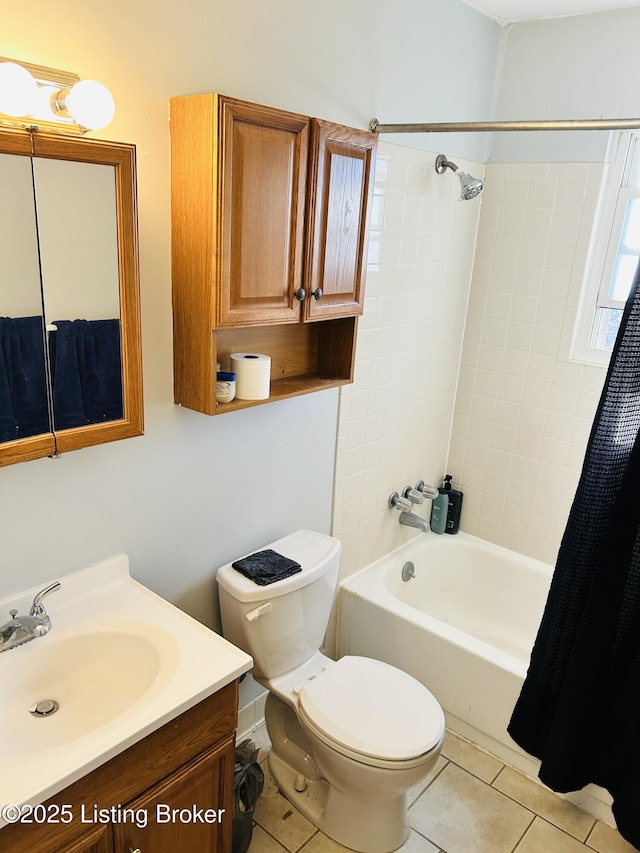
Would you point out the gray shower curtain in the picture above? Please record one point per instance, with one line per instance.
(579, 709)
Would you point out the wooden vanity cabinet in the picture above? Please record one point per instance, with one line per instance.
(93, 841)
(187, 763)
(199, 783)
(269, 225)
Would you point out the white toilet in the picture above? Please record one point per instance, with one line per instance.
(348, 737)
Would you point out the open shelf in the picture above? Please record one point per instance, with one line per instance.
(305, 357)
(281, 389)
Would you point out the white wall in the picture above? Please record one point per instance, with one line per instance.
(435, 62)
(581, 67)
(19, 284)
(80, 274)
(194, 492)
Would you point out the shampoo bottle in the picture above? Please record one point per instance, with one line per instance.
(455, 506)
(439, 509)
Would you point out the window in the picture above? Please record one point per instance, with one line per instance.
(615, 255)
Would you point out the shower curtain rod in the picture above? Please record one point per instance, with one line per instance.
(464, 126)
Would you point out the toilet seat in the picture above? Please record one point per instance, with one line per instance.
(360, 758)
(372, 711)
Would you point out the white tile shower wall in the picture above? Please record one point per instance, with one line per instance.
(523, 411)
(395, 420)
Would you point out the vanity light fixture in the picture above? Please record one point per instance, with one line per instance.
(35, 96)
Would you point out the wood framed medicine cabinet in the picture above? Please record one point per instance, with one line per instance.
(269, 232)
(68, 232)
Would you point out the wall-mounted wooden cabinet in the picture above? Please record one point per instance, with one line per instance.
(269, 227)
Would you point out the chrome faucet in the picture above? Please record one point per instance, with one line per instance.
(405, 505)
(413, 520)
(22, 629)
(425, 490)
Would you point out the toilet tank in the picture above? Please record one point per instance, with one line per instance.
(282, 624)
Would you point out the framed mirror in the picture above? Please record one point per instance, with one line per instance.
(70, 348)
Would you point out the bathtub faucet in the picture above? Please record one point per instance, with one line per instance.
(407, 516)
(413, 520)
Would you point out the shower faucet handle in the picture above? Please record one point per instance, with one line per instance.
(402, 504)
(414, 495)
(426, 490)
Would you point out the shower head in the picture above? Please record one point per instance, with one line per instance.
(470, 187)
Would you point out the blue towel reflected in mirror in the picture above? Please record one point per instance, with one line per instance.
(86, 372)
(86, 375)
(23, 388)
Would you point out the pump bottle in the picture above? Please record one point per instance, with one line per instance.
(454, 506)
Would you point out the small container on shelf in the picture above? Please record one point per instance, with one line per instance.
(225, 386)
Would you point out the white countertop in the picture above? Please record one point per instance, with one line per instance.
(121, 662)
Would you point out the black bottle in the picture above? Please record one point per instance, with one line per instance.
(455, 506)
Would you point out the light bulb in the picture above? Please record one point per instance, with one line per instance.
(90, 104)
(17, 89)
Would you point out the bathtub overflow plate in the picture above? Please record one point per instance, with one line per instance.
(44, 708)
(408, 571)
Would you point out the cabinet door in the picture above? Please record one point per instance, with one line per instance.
(98, 840)
(191, 810)
(340, 188)
(262, 185)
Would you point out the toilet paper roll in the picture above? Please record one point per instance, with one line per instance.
(253, 372)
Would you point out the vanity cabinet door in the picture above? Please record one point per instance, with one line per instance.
(341, 175)
(180, 809)
(98, 840)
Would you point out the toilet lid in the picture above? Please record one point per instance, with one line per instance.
(374, 709)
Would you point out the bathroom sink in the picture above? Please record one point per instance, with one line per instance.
(118, 663)
(93, 679)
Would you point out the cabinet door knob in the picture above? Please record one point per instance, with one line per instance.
(301, 294)
(317, 294)
(137, 850)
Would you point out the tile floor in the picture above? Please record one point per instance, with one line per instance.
(470, 803)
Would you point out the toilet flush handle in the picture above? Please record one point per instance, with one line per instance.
(252, 615)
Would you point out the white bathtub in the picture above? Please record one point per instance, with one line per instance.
(464, 627)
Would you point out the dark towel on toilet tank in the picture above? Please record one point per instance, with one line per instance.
(265, 567)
